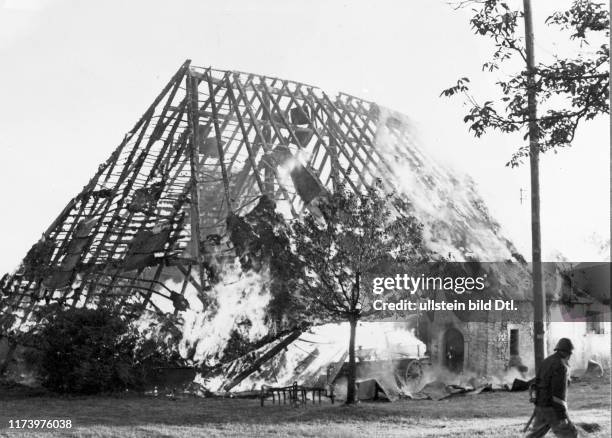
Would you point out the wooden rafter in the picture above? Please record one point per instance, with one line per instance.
(248, 116)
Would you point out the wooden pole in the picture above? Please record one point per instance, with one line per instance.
(215, 122)
(245, 135)
(539, 299)
(194, 122)
(267, 137)
(263, 359)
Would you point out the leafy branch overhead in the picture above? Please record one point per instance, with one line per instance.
(569, 90)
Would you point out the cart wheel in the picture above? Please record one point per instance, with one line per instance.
(414, 371)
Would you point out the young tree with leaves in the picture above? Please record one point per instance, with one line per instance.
(355, 234)
(546, 101)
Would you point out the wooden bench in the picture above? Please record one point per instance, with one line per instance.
(295, 394)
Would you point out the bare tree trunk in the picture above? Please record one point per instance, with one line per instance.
(539, 300)
(352, 369)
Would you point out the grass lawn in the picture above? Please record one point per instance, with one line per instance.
(499, 414)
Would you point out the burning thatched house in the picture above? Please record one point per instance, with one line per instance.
(167, 223)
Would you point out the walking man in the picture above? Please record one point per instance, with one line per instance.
(551, 394)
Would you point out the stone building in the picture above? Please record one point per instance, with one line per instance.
(492, 343)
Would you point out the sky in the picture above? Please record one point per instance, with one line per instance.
(76, 75)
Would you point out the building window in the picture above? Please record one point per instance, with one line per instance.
(514, 342)
(593, 321)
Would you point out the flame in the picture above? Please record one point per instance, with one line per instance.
(239, 297)
(308, 359)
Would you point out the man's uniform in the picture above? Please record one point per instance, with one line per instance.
(551, 398)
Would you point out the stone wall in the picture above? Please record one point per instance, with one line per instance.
(487, 344)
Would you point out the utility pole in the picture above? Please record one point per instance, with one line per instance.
(539, 300)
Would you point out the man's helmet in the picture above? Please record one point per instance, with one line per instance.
(564, 344)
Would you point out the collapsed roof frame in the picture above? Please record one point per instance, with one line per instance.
(208, 133)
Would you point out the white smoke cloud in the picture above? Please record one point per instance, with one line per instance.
(456, 221)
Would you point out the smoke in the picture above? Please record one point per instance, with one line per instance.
(291, 160)
(597, 348)
(588, 345)
(456, 221)
(471, 378)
